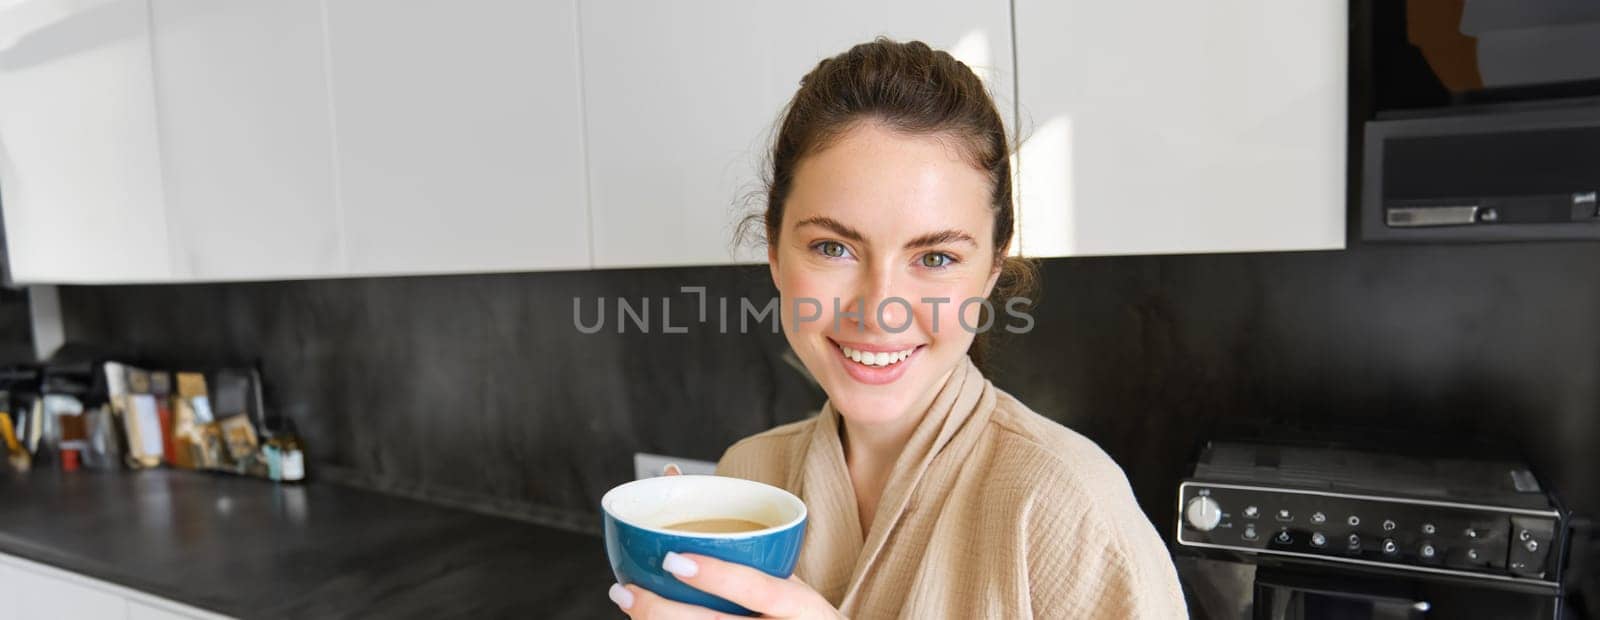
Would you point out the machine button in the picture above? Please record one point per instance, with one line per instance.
(1283, 538)
(1354, 542)
(1249, 532)
(1532, 546)
(1427, 528)
(1472, 554)
(1203, 513)
(1251, 512)
(1285, 515)
(1318, 517)
(1428, 551)
(1524, 535)
(1388, 525)
(1354, 520)
(1318, 540)
(1389, 547)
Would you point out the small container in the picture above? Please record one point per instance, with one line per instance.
(285, 460)
(69, 460)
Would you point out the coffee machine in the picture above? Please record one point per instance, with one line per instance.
(1283, 531)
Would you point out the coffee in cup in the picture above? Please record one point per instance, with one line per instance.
(730, 519)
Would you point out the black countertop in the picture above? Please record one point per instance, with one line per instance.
(254, 549)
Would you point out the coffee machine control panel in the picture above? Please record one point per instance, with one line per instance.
(1404, 533)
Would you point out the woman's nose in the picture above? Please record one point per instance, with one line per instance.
(877, 306)
(891, 313)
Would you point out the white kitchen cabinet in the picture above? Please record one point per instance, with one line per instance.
(1178, 127)
(9, 582)
(682, 99)
(80, 162)
(459, 132)
(142, 611)
(246, 138)
(181, 140)
(34, 594)
(29, 589)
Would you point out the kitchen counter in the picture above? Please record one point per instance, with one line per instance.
(251, 548)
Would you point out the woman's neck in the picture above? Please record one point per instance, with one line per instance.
(881, 441)
(871, 449)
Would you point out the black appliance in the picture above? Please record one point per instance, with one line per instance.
(1301, 532)
(1484, 119)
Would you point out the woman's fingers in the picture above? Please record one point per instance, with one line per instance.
(642, 604)
(743, 585)
(671, 470)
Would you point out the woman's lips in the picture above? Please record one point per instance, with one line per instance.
(874, 364)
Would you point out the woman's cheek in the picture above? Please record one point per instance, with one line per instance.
(954, 322)
(807, 301)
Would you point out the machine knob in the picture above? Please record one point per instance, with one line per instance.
(1203, 513)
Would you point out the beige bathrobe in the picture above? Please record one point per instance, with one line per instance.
(992, 511)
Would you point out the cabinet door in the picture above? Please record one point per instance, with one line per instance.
(459, 135)
(1175, 127)
(682, 99)
(242, 89)
(34, 595)
(142, 611)
(9, 583)
(80, 165)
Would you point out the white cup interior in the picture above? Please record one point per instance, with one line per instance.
(654, 503)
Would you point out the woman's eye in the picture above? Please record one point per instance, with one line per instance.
(935, 260)
(831, 249)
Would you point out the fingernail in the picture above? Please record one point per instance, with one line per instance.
(621, 596)
(671, 469)
(679, 565)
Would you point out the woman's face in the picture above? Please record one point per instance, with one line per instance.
(881, 215)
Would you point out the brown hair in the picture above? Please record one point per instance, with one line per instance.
(912, 88)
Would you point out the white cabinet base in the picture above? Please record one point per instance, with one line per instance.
(33, 590)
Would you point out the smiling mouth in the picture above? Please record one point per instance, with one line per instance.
(875, 359)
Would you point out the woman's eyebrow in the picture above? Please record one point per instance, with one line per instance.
(940, 238)
(833, 225)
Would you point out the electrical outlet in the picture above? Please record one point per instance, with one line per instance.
(650, 465)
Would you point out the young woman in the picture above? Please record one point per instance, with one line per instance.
(932, 494)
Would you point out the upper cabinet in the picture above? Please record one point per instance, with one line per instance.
(180, 140)
(459, 132)
(681, 99)
(1181, 127)
(246, 137)
(80, 160)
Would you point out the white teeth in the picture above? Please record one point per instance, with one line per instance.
(870, 358)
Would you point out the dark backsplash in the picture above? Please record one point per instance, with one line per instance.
(16, 330)
(478, 390)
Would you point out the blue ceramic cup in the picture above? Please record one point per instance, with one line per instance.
(637, 539)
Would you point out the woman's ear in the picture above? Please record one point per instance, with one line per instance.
(772, 265)
(994, 274)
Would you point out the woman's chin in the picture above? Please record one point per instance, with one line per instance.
(869, 411)
(869, 404)
(886, 395)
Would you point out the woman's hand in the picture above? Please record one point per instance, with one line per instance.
(747, 587)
